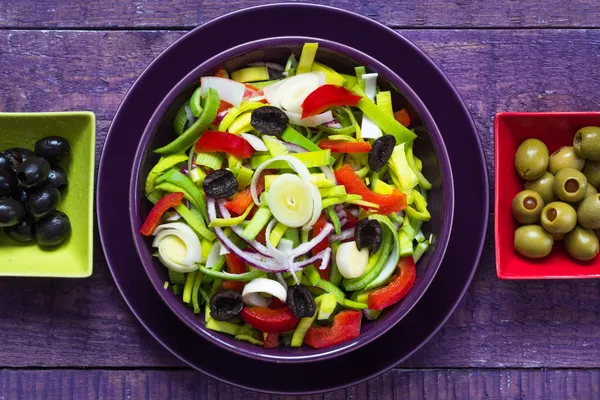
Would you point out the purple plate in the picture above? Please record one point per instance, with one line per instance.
(429, 146)
(470, 181)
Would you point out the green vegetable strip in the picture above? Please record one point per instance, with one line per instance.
(209, 160)
(263, 84)
(373, 314)
(334, 219)
(319, 179)
(374, 179)
(304, 325)
(195, 102)
(176, 277)
(360, 82)
(291, 135)
(292, 234)
(189, 285)
(234, 164)
(291, 65)
(259, 221)
(420, 211)
(350, 198)
(419, 250)
(277, 233)
(231, 221)
(154, 197)
(188, 137)
(245, 277)
(177, 289)
(406, 247)
(369, 276)
(315, 280)
(251, 74)
(335, 191)
(163, 164)
(310, 159)
(195, 291)
(177, 178)
(195, 222)
(180, 120)
(307, 57)
(334, 273)
(223, 326)
(420, 237)
(317, 137)
(354, 305)
(410, 158)
(304, 236)
(327, 307)
(275, 146)
(387, 124)
(249, 339)
(166, 285)
(393, 257)
(171, 188)
(350, 80)
(244, 177)
(384, 102)
(197, 175)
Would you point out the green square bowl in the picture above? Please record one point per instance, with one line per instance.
(74, 258)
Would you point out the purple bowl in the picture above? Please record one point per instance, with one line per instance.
(429, 147)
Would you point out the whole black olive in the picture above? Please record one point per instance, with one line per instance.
(8, 183)
(4, 161)
(220, 184)
(33, 172)
(21, 195)
(269, 120)
(300, 301)
(52, 229)
(57, 177)
(43, 200)
(225, 305)
(16, 156)
(381, 151)
(11, 212)
(52, 147)
(368, 234)
(23, 231)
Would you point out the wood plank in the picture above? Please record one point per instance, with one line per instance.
(499, 324)
(398, 384)
(394, 13)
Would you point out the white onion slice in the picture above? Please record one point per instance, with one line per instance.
(229, 90)
(310, 122)
(213, 255)
(281, 280)
(344, 235)
(187, 235)
(285, 245)
(255, 299)
(290, 93)
(264, 285)
(369, 129)
(290, 200)
(256, 143)
(294, 163)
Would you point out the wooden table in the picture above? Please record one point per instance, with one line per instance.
(76, 339)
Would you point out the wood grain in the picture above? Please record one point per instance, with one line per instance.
(397, 384)
(499, 324)
(395, 13)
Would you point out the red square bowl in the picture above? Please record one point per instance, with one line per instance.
(555, 129)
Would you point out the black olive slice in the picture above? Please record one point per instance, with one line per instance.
(225, 305)
(300, 301)
(368, 234)
(220, 184)
(381, 152)
(269, 120)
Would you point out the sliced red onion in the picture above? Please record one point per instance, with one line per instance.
(345, 235)
(238, 229)
(353, 211)
(324, 256)
(341, 213)
(281, 280)
(343, 222)
(275, 66)
(222, 115)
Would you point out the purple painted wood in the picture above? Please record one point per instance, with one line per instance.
(499, 324)
(395, 13)
(398, 384)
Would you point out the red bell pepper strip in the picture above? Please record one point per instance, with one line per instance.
(153, 218)
(338, 146)
(242, 200)
(271, 321)
(352, 221)
(276, 304)
(271, 340)
(322, 245)
(388, 203)
(403, 117)
(214, 141)
(346, 326)
(235, 265)
(328, 96)
(394, 291)
(222, 72)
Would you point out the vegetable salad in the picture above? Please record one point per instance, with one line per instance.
(289, 204)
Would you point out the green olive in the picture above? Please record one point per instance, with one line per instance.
(582, 244)
(558, 217)
(592, 172)
(565, 157)
(570, 185)
(558, 236)
(533, 241)
(531, 159)
(527, 206)
(588, 212)
(587, 143)
(543, 185)
(590, 190)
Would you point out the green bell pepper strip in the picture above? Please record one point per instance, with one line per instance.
(387, 124)
(180, 119)
(221, 222)
(410, 158)
(392, 262)
(304, 324)
(315, 280)
(406, 246)
(249, 339)
(371, 274)
(189, 286)
(335, 277)
(198, 290)
(334, 219)
(245, 277)
(177, 178)
(223, 326)
(354, 305)
(171, 188)
(192, 134)
(163, 164)
(195, 102)
(197, 224)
